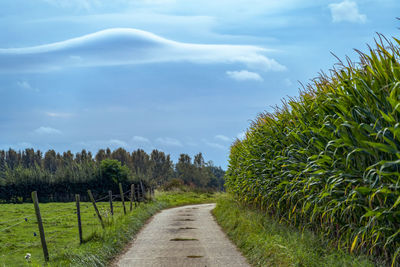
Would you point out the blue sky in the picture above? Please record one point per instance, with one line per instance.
(182, 76)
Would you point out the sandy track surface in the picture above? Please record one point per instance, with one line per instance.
(184, 236)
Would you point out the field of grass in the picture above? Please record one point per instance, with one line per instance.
(266, 242)
(19, 232)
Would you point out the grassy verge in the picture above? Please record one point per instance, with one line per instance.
(60, 222)
(265, 242)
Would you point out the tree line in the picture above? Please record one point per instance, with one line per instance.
(58, 176)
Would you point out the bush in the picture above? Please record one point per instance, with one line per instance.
(174, 184)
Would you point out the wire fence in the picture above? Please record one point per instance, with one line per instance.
(14, 220)
(9, 227)
(68, 216)
(103, 198)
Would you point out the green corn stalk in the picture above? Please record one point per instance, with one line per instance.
(329, 160)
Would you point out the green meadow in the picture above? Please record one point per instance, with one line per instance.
(19, 231)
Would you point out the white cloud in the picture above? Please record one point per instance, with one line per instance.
(214, 145)
(167, 141)
(117, 142)
(223, 138)
(130, 46)
(47, 130)
(59, 114)
(140, 139)
(244, 75)
(26, 86)
(346, 11)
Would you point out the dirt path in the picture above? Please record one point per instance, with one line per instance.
(184, 236)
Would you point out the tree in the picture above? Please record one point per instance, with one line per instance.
(121, 155)
(68, 159)
(49, 162)
(200, 173)
(184, 169)
(140, 164)
(28, 158)
(59, 176)
(161, 167)
(112, 172)
(217, 176)
(100, 156)
(198, 161)
(12, 159)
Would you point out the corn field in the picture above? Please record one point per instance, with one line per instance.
(329, 160)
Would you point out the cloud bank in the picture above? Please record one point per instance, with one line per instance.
(47, 131)
(59, 114)
(123, 46)
(167, 141)
(244, 75)
(346, 11)
(140, 139)
(223, 138)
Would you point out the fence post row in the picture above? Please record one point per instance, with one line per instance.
(111, 203)
(122, 197)
(40, 225)
(95, 207)
(134, 197)
(78, 213)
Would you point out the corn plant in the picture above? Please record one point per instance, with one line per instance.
(329, 160)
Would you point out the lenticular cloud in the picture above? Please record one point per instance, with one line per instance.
(129, 46)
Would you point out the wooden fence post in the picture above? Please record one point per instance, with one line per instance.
(78, 213)
(142, 190)
(95, 207)
(136, 195)
(111, 204)
(151, 192)
(40, 225)
(132, 192)
(122, 197)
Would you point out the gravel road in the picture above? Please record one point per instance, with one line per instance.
(184, 236)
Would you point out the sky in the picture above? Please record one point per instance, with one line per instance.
(181, 76)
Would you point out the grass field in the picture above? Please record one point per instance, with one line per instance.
(266, 242)
(19, 231)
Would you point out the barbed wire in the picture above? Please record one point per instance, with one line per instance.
(101, 198)
(51, 238)
(9, 227)
(25, 218)
(118, 195)
(45, 214)
(58, 217)
(46, 218)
